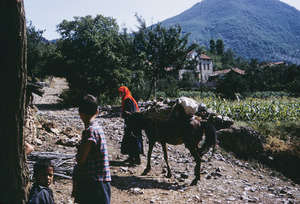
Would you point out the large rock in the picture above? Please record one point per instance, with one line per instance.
(243, 141)
(222, 122)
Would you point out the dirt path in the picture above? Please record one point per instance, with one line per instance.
(223, 180)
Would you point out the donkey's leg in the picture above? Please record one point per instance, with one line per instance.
(212, 152)
(211, 139)
(194, 153)
(164, 146)
(148, 168)
(214, 148)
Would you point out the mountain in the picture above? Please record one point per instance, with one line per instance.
(267, 30)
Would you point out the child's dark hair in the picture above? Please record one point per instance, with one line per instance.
(40, 166)
(88, 105)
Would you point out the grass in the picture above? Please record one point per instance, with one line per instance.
(281, 137)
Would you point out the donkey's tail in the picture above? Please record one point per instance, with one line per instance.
(211, 133)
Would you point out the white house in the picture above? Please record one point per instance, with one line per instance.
(203, 70)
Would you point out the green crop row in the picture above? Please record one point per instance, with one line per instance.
(281, 109)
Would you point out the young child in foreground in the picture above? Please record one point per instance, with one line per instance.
(40, 192)
(91, 175)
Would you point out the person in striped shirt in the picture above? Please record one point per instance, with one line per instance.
(91, 175)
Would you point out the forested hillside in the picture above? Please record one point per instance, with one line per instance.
(267, 30)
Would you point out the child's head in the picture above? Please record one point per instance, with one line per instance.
(43, 172)
(88, 105)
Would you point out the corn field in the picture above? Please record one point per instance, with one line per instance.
(282, 109)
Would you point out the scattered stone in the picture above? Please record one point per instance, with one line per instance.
(136, 191)
(70, 132)
(217, 174)
(124, 168)
(68, 143)
(48, 126)
(184, 175)
(230, 199)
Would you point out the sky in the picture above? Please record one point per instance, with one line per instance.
(46, 15)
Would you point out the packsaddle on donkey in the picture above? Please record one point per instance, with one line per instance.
(177, 128)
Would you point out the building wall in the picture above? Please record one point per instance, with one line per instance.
(203, 70)
(206, 69)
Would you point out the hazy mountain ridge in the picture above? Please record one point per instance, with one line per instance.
(267, 30)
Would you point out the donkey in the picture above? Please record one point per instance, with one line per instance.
(186, 129)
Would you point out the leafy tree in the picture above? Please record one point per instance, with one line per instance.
(231, 84)
(212, 43)
(171, 87)
(228, 59)
(188, 81)
(95, 55)
(36, 47)
(135, 64)
(220, 47)
(281, 78)
(241, 63)
(293, 83)
(43, 57)
(161, 49)
(273, 78)
(53, 62)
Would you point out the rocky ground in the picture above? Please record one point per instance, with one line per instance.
(224, 179)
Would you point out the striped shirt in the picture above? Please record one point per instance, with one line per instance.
(97, 165)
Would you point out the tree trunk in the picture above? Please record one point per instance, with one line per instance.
(13, 71)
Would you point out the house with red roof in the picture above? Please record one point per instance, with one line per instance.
(203, 70)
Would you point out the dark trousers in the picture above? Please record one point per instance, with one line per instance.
(94, 192)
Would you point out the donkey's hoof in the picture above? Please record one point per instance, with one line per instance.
(194, 182)
(146, 171)
(169, 175)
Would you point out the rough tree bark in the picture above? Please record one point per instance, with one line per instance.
(14, 170)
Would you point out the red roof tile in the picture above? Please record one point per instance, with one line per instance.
(225, 71)
(203, 56)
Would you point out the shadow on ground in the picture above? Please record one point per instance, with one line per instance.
(126, 183)
(49, 107)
